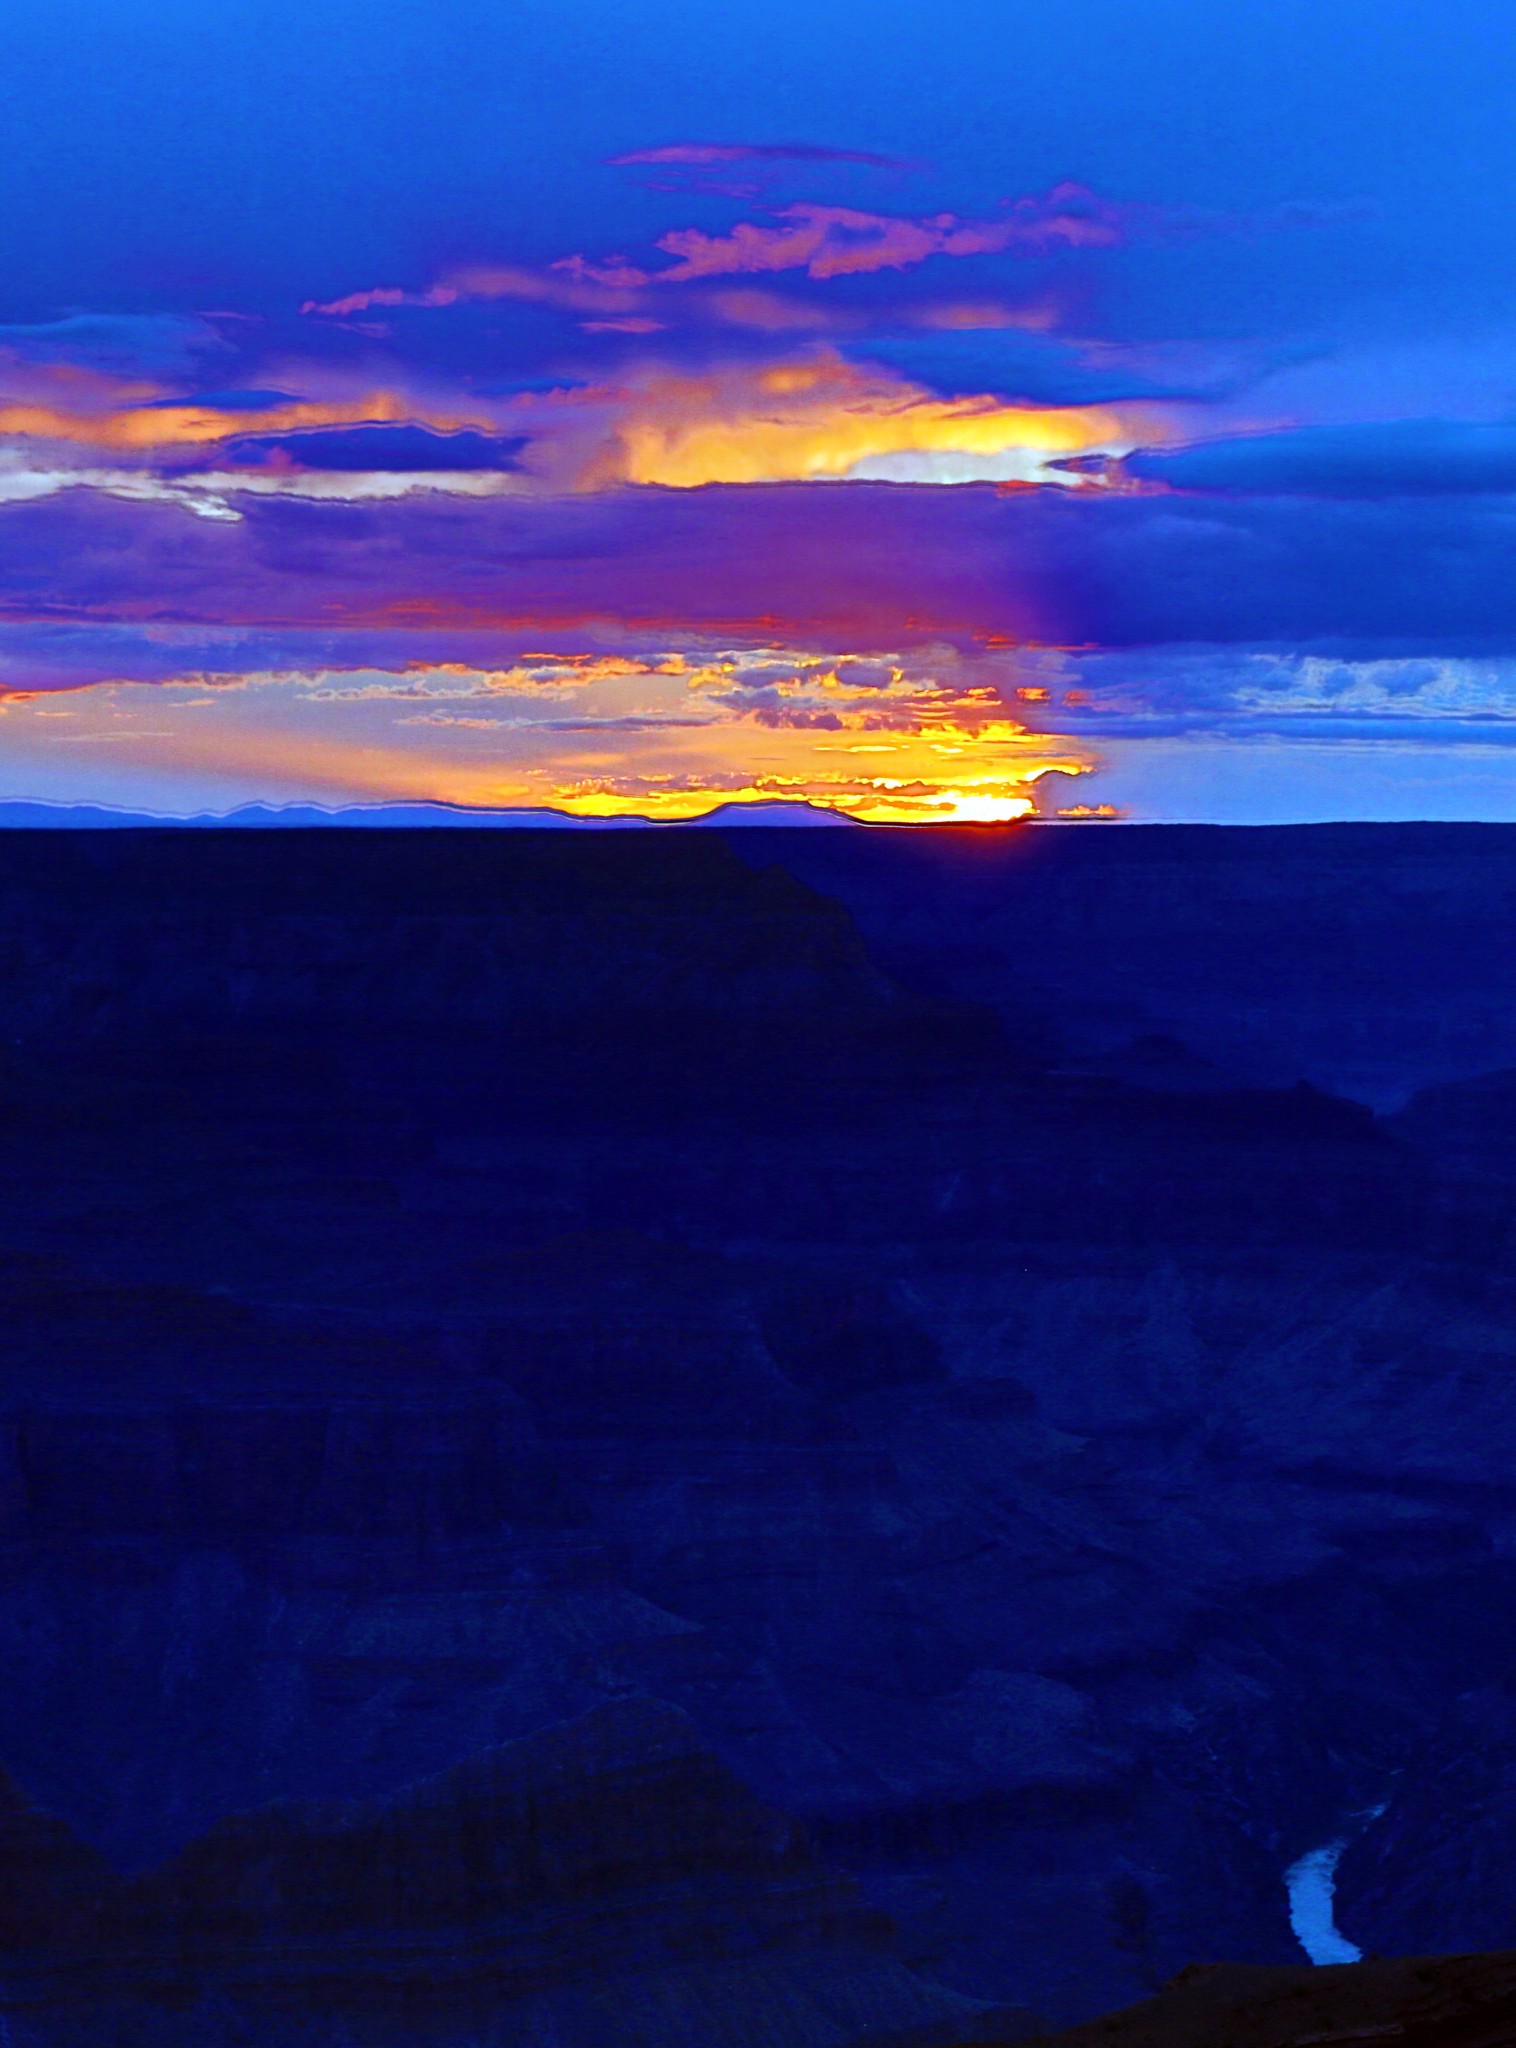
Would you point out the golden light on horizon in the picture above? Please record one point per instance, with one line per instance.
(887, 739)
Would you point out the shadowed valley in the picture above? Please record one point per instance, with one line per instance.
(736, 1440)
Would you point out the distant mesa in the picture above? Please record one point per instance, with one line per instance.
(774, 814)
(25, 814)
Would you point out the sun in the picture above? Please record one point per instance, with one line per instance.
(971, 807)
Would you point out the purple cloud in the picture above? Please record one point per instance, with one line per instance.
(842, 567)
(759, 152)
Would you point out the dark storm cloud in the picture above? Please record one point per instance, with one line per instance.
(1035, 369)
(1379, 459)
(377, 448)
(847, 566)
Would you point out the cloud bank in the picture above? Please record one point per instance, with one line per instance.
(896, 479)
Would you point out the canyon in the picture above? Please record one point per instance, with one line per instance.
(781, 1438)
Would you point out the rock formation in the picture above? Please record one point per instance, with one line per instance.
(455, 1286)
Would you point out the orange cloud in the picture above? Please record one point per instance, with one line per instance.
(887, 739)
(815, 415)
(768, 313)
(1038, 318)
(891, 738)
(817, 418)
(165, 426)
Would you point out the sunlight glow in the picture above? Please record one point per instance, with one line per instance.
(638, 732)
(822, 419)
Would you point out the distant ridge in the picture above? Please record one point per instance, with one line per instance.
(773, 814)
(27, 815)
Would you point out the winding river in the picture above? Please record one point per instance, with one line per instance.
(1311, 1884)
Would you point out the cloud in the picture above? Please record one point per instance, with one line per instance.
(166, 423)
(809, 416)
(757, 152)
(666, 733)
(217, 493)
(571, 284)
(200, 450)
(1177, 690)
(853, 567)
(403, 446)
(817, 416)
(873, 645)
(607, 727)
(743, 170)
(1036, 368)
(1379, 459)
(841, 241)
(120, 345)
(821, 241)
(764, 312)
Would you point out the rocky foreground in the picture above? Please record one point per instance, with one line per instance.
(1418, 2002)
(592, 1452)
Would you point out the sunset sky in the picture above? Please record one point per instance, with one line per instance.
(635, 408)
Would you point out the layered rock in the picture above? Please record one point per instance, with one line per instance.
(1370, 959)
(1433, 1869)
(444, 1297)
(599, 1883)
(402, 928)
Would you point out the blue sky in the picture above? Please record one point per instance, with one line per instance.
(633, 409)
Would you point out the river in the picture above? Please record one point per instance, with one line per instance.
(1311, 1884)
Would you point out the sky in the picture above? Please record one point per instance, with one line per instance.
(1089, 407)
